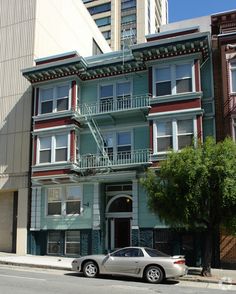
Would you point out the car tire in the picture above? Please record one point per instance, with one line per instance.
(154, 274)
(90, 269)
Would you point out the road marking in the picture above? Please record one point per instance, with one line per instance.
(18, 277)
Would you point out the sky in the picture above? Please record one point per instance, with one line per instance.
(185, 9)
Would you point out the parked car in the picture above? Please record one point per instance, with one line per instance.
(141, 262)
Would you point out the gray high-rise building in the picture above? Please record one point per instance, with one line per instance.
(127, 19)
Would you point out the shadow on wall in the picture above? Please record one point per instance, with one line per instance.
(15, 138)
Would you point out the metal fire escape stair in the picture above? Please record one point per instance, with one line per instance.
(96, 134)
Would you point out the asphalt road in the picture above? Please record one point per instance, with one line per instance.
(18, 280)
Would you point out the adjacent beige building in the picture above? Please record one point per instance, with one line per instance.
(30, 29)
(120, 20)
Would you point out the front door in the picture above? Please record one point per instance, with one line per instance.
(122, 232)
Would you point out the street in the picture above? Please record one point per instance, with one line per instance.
(19, 280)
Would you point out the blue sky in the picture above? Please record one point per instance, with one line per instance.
(184, 9)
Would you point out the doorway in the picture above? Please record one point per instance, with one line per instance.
(118, 222)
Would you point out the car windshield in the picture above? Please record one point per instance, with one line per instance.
(155, 253)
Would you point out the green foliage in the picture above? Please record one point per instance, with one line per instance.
(196, 188)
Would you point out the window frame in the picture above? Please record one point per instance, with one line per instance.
(173, 77)
(115, 101)
(175, 135)
(53, 149)
(58, 201)
(232, 70)
(72, 242)
(63, 194)
(55, 98)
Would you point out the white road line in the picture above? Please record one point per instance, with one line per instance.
(18, 277)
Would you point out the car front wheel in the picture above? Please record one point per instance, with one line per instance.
(90, 269)
(154, 274)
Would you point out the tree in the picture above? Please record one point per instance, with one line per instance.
(196, 189)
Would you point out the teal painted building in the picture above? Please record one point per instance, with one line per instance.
(98, 124)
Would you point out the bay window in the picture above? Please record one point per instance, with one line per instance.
(173, 79)
(54, 99)
(173, 134)
(53, 149)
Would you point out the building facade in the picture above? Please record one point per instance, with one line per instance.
(224, 64)
(30, 29)
(125, 22)
(99, 123)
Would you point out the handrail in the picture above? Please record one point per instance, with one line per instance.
(89, 161)
(110, 104)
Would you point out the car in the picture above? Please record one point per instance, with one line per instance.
(142, 262)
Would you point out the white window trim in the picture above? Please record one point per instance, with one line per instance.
(232, 68)
(54, 99)
(53, 149)
(114, 85)
(174, 132)
(173, 79)
(115, 139)
(63, 194)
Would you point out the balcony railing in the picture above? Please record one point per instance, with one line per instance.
(124, 158)
(110, 104)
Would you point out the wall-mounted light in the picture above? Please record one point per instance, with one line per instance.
(86, 204)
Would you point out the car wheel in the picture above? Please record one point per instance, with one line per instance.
(154, 274)
(90, 269)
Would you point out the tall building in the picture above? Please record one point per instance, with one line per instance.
(123, 21)
(30, 29)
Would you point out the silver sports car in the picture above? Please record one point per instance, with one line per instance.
(141, 262)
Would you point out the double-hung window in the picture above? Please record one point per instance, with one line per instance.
(73, 200)
(118, 145)
(64, 200)
(173, 134)
(115, 96)
(233, 77)
(53, 149)
(173, 79)
(123, 92)
(54, 99)
(54, 201)
(106, 98)
(72, 242)
(124, 145)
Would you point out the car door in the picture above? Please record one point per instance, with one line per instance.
(124, 261)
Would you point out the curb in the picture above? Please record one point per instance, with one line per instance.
(44, 266)
(207, 280)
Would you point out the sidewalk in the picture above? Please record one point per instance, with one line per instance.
(219, 276)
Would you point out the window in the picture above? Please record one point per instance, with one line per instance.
(72, 242)
(128, 252)
(106, 98)
(128, 4)
(99, 8)
(234, 128)
(64, 200)
(54, 99)
(54, 240)
(73, 200)
(54, 201)
(105, 21)
(63, 242)
(45, 150)
(173, 134)
(123, 92)
(53, 149)
(173, 79)
(115, 96)
(128, 18)
(233, 77)
(107, 35)
(118, 146)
